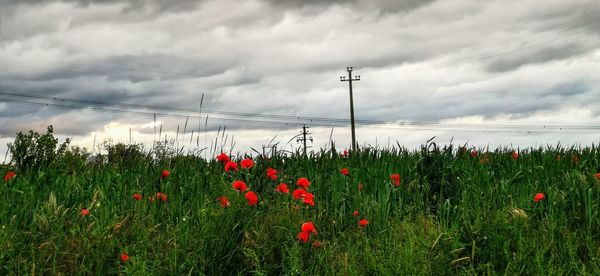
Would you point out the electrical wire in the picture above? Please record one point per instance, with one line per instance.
(286, 123)
(289, 118)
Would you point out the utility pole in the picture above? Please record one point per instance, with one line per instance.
(273, 150)
(303, 139)
(350, 80)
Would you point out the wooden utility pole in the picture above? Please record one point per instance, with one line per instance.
(350, 80)
(304, 139)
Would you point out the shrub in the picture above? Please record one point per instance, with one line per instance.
(126, 156)
(33, 150)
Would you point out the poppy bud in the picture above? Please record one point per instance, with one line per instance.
(538, 197)
(164, 174)
(9, 176)
(396, 179)
(124, 257)
(344, 171)
(223, 201)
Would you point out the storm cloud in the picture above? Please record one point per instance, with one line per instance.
(509, 62)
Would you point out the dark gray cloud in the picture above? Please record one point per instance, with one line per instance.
(305, 3)
(186, 5)
(134, 68)
(546, 54)
(129, 5)
(419, 60)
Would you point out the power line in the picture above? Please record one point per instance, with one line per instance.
(530, 43)
(578, 22)
(392, 127)
(299, 120)
(62, 99)
(138, 112)
(508, 51)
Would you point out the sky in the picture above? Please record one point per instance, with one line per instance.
(488, 73)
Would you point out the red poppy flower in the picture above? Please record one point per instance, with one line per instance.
(344, 171)
(298, 193)
(247, 163)
(363, 223)
(272, 173)
(345, 153)
(597, 176)
(355, 213)
(161, 196)
(240, 186)
(303, 183)
(9, 176)
(309, 199)
(252, 198)
(282, 188)
(164, 174)
(84, 212)
(538, 197)
(124, 257)
(515, 155)
(360, 186)
(303, 236)
(137, 196)
(396, 178)
(223, 201)
(231, 166)
(223, 158)
(309, 227)
(474, 153)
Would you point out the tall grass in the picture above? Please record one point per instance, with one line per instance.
(453, 213)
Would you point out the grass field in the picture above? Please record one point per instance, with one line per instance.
(454, 212)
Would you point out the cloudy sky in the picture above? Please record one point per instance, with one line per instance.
(505, 72)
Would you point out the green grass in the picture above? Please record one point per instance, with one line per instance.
(452, 214)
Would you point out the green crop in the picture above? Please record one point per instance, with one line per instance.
(453, 213)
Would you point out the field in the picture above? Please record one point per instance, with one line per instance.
(454, 211)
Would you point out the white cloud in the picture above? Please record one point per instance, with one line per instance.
(510, 62)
